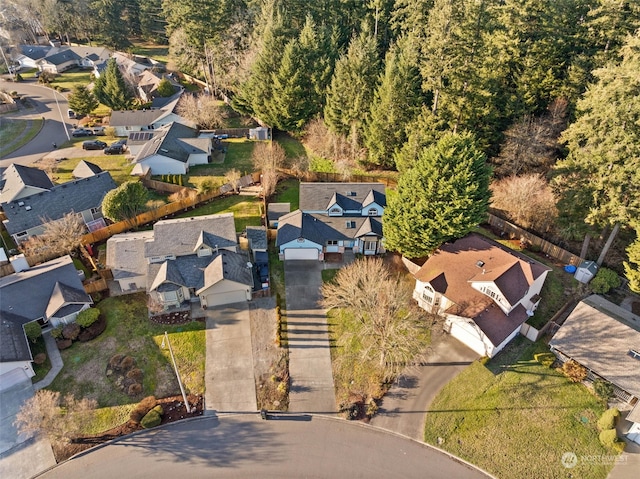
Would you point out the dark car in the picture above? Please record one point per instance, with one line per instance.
(81, 132)
(114, 149)
(94, 145)
(121, 141)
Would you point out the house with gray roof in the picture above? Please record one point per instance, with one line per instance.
(28, 55)
(605, 339)
(275, 211)
(126, 260)
(50, 293)
(484, 290)
(126, 121)
(148, 83)
(257, 239)
(28, 216)
(334, 218)
(18, 181)
(63, 59)
(172, 150)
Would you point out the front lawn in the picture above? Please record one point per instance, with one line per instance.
(245, 209)
(15, 133)
(72, 77)
(130, 332)
(519, 422)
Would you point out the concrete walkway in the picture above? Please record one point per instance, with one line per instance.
(310, 370)
(627, 465)
(56, 361)
(230, 385)
(404, 407)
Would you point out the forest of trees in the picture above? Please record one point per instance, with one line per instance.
(546, 87)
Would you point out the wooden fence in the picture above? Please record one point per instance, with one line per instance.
(96, 286)
(162, 185)
(314, 176)
(512, 231)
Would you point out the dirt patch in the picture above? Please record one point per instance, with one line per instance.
(177, 317)
(270, 361)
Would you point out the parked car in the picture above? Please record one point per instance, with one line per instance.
(94, 145)
(98, 130)
(115, 149)
(121, 141)
(81, 132)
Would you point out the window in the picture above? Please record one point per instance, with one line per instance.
(373, 211)
(428, 288)
(634, 354)
(370, 245)
(351, 224)
(427, 297)
(332, 242)
(335, 211)
(351, 193)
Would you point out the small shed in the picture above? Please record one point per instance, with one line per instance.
(257, 237)
(275, 211)
(586, 271)
(260, 133)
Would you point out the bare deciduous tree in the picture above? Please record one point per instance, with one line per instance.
(232, 177)
(327, 144)
(389, 332)
(203, 110)
(526, 200)
(267, 158)
(531, 145)
(63, 236)
(59, 418)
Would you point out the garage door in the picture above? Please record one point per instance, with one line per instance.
(301, 253)
(226, 298)
(469, 338)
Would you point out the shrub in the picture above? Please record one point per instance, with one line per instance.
(604, 280)
(110, 131)
(114, 362)
(135, 374)
(159, 409)
(71, 331)
(574, 371)
(127, 363)
(143, 407)
(87, 317)
(134, 389)
(151, 419)
(33, 331)
(603, 389)
(609, 438)
(608, 419)
(40, 358)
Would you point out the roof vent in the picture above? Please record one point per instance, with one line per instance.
(28, 208)
(20, 203)
(351, 193)
(480, 264)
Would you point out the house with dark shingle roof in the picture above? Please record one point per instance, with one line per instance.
(484, 290)
(51, 293)
(18, 181)
(60, 61)
(333, 218)
(172, 150)
(184, 260)
(605, 339)
(28, 216)
(127, 121)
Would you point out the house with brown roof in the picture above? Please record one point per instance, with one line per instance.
(485, 291)
(605, 339)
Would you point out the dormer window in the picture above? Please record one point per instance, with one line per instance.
(428, 288)
(335, 211)
(373, 212)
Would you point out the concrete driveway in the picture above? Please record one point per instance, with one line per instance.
(309, 355)
(229, 381)
(404, 407)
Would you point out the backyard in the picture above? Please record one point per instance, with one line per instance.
(116, 165)
(515, 417)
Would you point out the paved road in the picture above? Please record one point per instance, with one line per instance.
(44, 104)
(309, 355)
(245, 446)
(404, 407)
(229, 381)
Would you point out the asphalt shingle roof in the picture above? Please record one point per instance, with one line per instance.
(257, 236)
(85, 169)
(61, 57)
(134, 117)
(25, 297)
(181, 236)
(16, 177)
(599, 335)
(352, 196)
(175, 141)
(276, 210)
(73, 196)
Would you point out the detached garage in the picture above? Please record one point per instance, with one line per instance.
(301, 253)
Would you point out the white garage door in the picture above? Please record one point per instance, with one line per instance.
(301, 253)
(226, 298)
(469, 338)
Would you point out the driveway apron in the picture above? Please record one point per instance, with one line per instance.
(230, 386)
(404, 407)
(309, 354)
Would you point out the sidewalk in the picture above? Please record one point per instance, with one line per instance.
(56, 361)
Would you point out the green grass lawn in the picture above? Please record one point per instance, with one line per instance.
(245, 209)
(41, 370)
(518, 424)
(288, 191)
(151, 50)
(72, 77)
(117, 165)
(11, 129)
(130, 332)
(553, 299)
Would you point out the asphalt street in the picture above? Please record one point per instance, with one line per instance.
(287, 445)
(45, 103)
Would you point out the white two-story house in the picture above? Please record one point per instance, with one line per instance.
(485, 291)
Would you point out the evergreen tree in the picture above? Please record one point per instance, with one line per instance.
(599, 181)
(422, 132)
(442, 197)
(125, 202)
(632, 266)
(165, 88)
(396, 103)
(112, 27)
(152, 21)
(352, 87)
(111, 89)
(82, 101)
